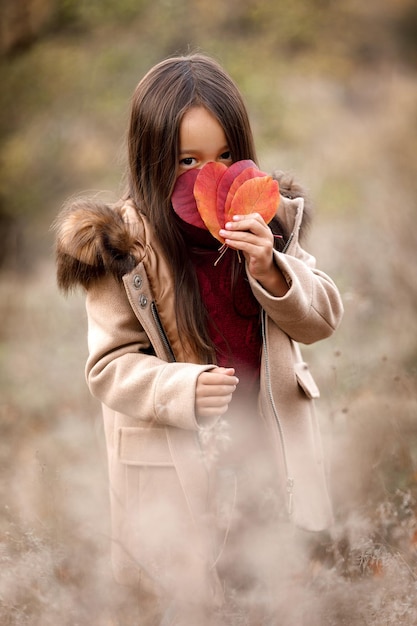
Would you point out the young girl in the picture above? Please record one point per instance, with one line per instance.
(213, 445)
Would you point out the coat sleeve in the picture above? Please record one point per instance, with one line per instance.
(122, 370)
(312, 308)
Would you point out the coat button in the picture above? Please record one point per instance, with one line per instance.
(143, 300)
(137, 281)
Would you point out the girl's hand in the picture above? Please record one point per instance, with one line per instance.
(214, 391)
(252, 236)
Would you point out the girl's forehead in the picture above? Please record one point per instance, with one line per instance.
(199, 125)
(199, 119)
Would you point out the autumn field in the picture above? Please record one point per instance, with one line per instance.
(333, 101)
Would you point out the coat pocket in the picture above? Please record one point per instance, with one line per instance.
(306, 380)
(144, 447)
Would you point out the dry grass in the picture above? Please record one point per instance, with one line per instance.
(54, 518)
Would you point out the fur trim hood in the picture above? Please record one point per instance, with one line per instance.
(93, 238)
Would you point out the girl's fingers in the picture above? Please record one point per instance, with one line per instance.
(252, 236)
(248, 229)
(215, 401)
(214, 391)
(247, 222)
(216, 378)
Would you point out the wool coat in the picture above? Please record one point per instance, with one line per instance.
(145, 377)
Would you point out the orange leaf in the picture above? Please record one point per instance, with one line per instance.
(205, 192)
(245, 168)
(256, 195)
(246, 174)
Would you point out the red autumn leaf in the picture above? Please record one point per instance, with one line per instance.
(205, 192)
(209, 197)
(237, 169)
(241, 189)
(183, 200)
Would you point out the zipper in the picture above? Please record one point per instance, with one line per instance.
(161, 332)
(289, 481)
(287, 245)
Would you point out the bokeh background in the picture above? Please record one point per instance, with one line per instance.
(332, 92)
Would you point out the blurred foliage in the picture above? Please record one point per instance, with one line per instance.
(68, 68)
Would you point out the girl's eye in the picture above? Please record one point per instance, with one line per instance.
(226, 156)
(187, 161)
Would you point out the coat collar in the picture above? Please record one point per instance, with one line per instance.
(95, 239)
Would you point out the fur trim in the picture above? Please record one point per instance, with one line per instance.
(290, 188)
(91, 240)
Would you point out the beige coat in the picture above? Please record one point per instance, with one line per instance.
(145, 379)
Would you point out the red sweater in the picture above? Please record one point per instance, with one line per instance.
(233, 311)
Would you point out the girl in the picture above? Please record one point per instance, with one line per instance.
(211, 434)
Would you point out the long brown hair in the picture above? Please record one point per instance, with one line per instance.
(159, 102)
